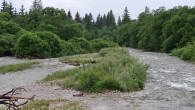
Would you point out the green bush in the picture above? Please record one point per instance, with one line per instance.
(88, 80)
(186, 53)
(6, 44)
(98, 44)
(47, 27)
(31, 45)
(3, 46)
(82, 44)
(177, 52)
(53, 42)
(68, 48)
(111, 83)
(71, 30)
(9, 27)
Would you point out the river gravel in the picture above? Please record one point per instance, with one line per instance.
(170, 84)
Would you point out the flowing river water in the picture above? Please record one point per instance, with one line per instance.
(170, 84)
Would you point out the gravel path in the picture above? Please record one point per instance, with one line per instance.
(170, 85)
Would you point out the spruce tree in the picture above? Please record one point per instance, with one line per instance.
(98, 21)
(78, 18)
(119, 21)
(69, 14)
(3, 5)
(21, 13)
(15, 13)
(10, 9)
(126, 17)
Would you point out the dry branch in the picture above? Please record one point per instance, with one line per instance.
(14, 102)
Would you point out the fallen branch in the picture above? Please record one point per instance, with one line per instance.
(14, 102)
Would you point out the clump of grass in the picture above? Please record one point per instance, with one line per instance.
(61, 104)
(116, 70)
(17, 67)
(186, 53)
(81, 58)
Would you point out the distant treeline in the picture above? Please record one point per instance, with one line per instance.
(157, 30)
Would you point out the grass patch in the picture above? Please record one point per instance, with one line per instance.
(17, 67)
(116, 70)
(186, 53)
(81, 58)
(60, 104)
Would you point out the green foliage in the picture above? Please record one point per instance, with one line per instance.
(17, 67)
(31, 45)
(126, 34)
(53, 42)
(47, 27)
(4, 16)
(186, 53)
(115, 70)
(6, 44)
(110, 83)
(100, 43)
(81, 44)
(87, 80)
(68, 48)
(72, 30)
(3, 46)
(91, 58)
(9, 27)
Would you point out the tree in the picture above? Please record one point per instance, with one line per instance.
(78, 18)
(3, 5)
(98, 21)
(37, 5)
(10, 7)
(15, 12)
(126, 17)
(69, 14)
(21, 13)
(110, 21)
(119, 23)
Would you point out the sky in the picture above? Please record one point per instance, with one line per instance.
(135, 7)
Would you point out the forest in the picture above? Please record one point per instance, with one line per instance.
(51, 32)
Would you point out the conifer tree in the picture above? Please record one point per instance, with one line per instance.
(119, 23)
(21, 13)
(98, 21)
(78, 18)
(69, 14)
(15, 13)
(10, 9)
(126, 17)
(3, 5)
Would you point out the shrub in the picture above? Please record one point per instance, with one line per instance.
(31, 45)
(71, 30)
(6, 44)
(47, 27)
(111, 83)
(9, 27)
(98, 44)
(88, 80)
(68, 48)
(186, 53)
(53, 41)
(82, 44)
(3, 46)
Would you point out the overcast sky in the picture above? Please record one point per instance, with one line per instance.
(135, 7)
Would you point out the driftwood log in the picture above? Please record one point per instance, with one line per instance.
(13, 102)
